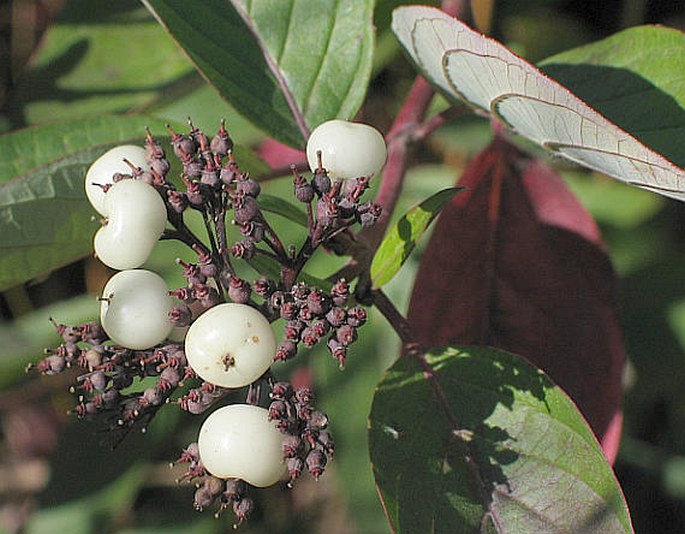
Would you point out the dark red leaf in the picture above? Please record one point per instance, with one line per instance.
(516, 262)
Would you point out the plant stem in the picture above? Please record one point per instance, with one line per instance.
(208, 226)
(184, 235)
(274, 242)
(220, 224)
(395, 318)
(400, 135)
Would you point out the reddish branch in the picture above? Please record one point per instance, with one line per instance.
(401, 134)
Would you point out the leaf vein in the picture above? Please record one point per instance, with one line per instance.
(288, 32)
(319, 70)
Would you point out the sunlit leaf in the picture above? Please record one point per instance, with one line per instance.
(287, 66)
(402, 238)
(99, 57)
(468, 66)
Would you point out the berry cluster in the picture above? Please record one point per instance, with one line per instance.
(110, 370)
(215, 333)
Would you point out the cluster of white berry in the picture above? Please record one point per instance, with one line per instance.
(135, 303)
(135, 213)
(230, 345)
(146, 330)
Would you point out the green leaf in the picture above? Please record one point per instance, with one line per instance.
(44, 215)
(621, 79)
(100, 57)
(277, 205)
(24, 339)
(287, 66)
(402, 238)
(478, 440)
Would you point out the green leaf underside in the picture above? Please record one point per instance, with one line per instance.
(44, 215)
(621, 79)
(503, 451)
(402, 238)
(286, 65)
(468, 66)
(279, 206)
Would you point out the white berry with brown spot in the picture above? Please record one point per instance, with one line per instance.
(230, 345)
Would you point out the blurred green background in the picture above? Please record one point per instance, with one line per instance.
(64, 59)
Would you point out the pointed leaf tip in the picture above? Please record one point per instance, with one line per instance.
(404, 235)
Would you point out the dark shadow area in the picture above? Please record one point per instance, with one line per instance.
(102, 12)
(404, 231)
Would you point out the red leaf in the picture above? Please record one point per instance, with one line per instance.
(517, 263)
(276, 154)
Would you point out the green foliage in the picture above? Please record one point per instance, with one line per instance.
(99, 58)
(259, 56)
(44, 216)
(476, 439)
(401, 239)
(620, 78)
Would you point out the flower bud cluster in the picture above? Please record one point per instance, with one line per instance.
(312, 315)
(334, 205)
(108, 370)
(199, 399)
(307, 444)
(230, 492)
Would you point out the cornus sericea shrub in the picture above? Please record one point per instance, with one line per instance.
(501, 406)
(228, 341)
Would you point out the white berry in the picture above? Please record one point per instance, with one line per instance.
(136, 217)
(103, 169)
(348, 149)
(230, 345)
(134, 309)
(239, 441)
